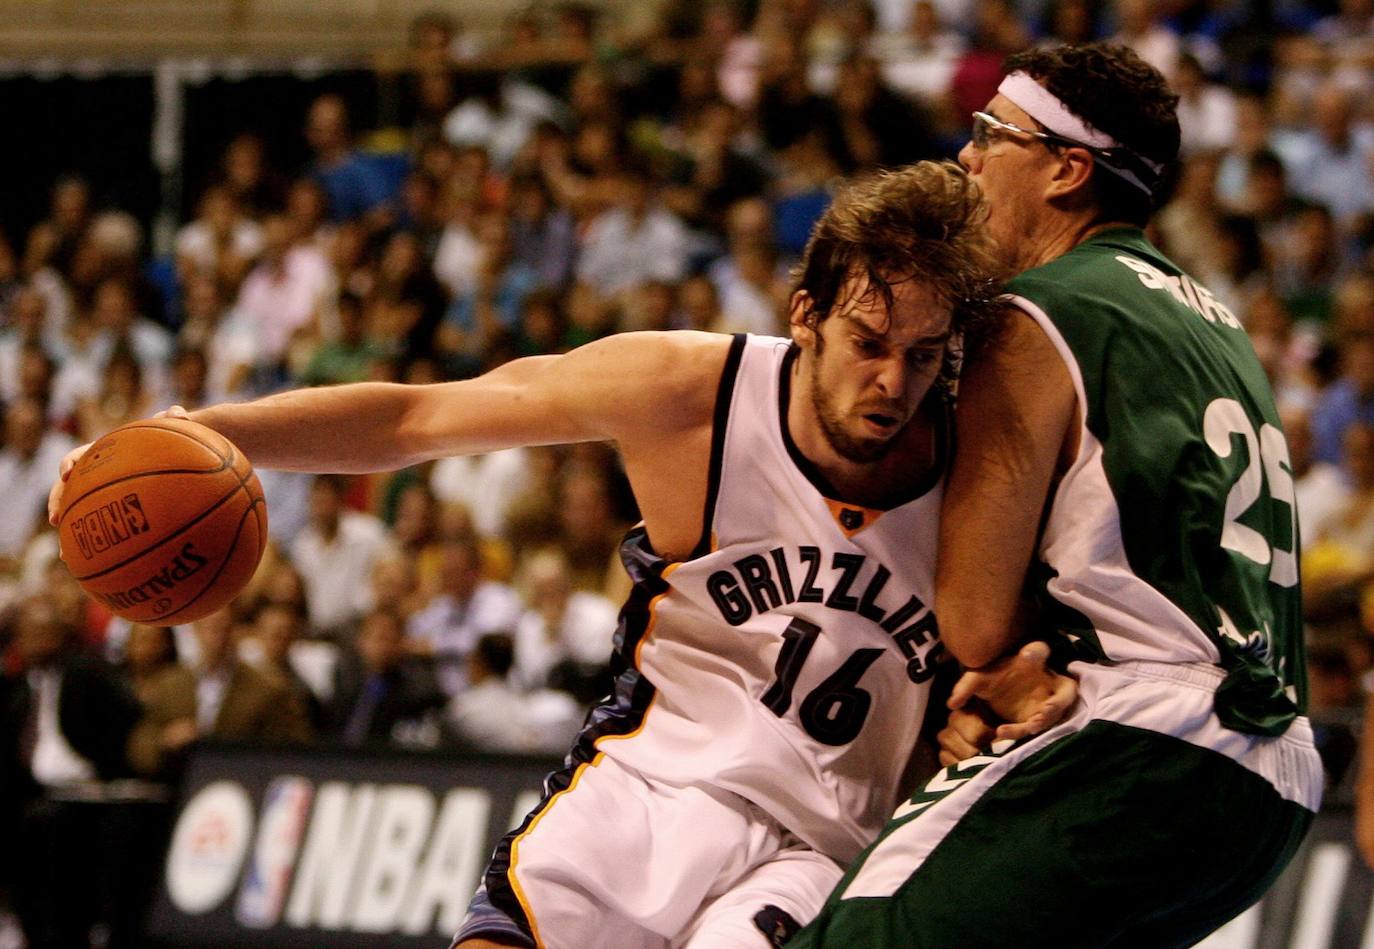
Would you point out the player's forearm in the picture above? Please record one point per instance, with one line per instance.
(1016, 415)
(349, 429)
(989, 523)
(978, 611)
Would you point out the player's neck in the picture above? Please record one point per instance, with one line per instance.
(1056, 235)
(890, 481)
(876, 484)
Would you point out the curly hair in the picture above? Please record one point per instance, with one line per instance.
(1115, 91)
(921, 222)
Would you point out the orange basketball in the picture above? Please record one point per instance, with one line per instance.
(163, 521)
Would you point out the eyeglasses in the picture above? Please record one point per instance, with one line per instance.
(988, 128)
(1130, 166)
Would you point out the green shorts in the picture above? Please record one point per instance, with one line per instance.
(1138, 821)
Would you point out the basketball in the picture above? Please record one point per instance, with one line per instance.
(163, 521)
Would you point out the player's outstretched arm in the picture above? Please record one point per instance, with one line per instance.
(607, 390)
(619, 389)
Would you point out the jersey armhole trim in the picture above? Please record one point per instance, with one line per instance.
(719, 423)
(1066, 353)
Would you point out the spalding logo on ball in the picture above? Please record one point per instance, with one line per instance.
(163, 521)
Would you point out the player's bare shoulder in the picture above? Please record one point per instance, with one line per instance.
(663, 424)
(667, 380)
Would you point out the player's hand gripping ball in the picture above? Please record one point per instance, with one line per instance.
(163, 521)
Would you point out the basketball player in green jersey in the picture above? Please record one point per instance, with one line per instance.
(1119, 447)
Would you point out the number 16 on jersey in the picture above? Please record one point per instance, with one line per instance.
(833, 712)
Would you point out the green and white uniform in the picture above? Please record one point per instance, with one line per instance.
(1185, 777)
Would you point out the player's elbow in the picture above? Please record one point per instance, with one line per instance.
(970, 652)
(420, 425)
(971, 637)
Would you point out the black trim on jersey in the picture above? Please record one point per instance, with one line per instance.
(935, 403)
(620, 714)
(777, 925)
(804, 465)
(485, 921)
(725, 394)
(645, 567)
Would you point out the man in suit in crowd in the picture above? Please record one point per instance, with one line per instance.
(380, 686)
(64, 721)
(221, 698)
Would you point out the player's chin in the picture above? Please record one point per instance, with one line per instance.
(866, 449)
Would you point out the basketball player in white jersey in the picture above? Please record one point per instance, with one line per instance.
(774, 657)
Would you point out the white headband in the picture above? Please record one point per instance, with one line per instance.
(1042, 105)
(1046, 108)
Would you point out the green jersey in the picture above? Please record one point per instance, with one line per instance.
(1173, 535)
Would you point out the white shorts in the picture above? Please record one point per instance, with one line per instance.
(614, 858)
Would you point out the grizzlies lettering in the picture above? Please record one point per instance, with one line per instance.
(109, 525)
(184, 564)
(759, 583)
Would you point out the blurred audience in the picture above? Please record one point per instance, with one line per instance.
(561, 625)
(222, 697)
(28, 459)
(65, 718)
(353, 186)
(276, 651)
(67, 714)
(1339, 559)
(1350, 399)
(382, 693)
(494, 714)
(633, 242)
(335, 555)
(148, 652)
(462, 607)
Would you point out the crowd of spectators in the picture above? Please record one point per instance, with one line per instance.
(553, 185)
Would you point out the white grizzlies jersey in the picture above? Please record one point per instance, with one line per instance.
(788, 659)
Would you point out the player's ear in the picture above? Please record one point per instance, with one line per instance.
(801, 319)
(1073, 174)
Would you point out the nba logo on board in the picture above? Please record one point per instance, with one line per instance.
(262, 896)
